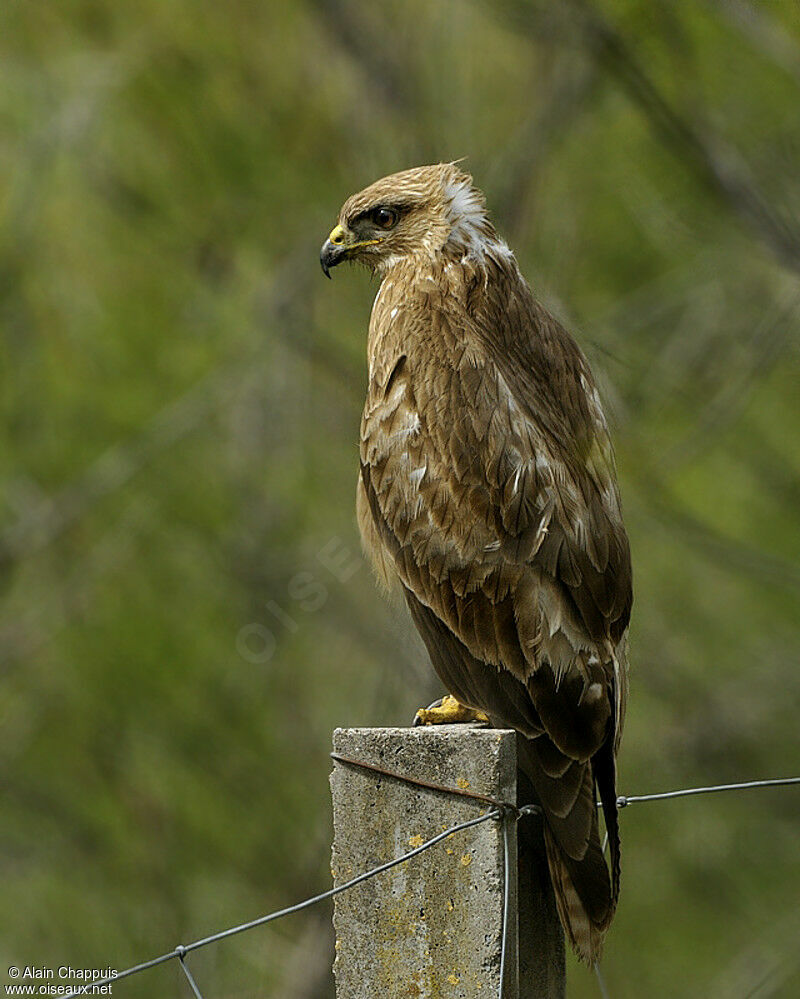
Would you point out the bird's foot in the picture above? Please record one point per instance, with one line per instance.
(448, 711)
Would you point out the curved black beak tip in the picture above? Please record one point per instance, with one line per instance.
(330, 255)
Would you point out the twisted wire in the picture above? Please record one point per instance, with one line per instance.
(504, 812)
(182, 949)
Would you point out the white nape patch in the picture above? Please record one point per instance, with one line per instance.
(393, 313)
(467, 217)
(465, 205)
(471, 230)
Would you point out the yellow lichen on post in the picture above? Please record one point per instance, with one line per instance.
(432, 926)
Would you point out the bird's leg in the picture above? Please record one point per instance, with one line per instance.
(448, 711)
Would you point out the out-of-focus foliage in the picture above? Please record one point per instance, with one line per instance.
(181, 394)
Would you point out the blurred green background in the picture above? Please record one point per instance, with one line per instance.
(181, 396)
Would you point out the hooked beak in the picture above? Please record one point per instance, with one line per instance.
(333, 251)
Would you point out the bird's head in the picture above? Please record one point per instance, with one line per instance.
(416, 212)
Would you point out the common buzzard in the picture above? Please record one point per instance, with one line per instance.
(488, 491)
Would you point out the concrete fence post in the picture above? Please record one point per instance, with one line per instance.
(432, 927)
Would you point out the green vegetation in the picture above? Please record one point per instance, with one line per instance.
(181, 398)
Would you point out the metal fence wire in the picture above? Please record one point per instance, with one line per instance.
(502, 812)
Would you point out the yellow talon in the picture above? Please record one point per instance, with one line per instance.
(449, 712)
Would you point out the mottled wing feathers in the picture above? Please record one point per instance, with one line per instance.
(585, 895)
(475, 487)
(552, 394)
(487, 483)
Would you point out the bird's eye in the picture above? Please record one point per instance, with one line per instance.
(384, 218)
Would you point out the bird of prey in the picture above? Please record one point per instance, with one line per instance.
(488, 492)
